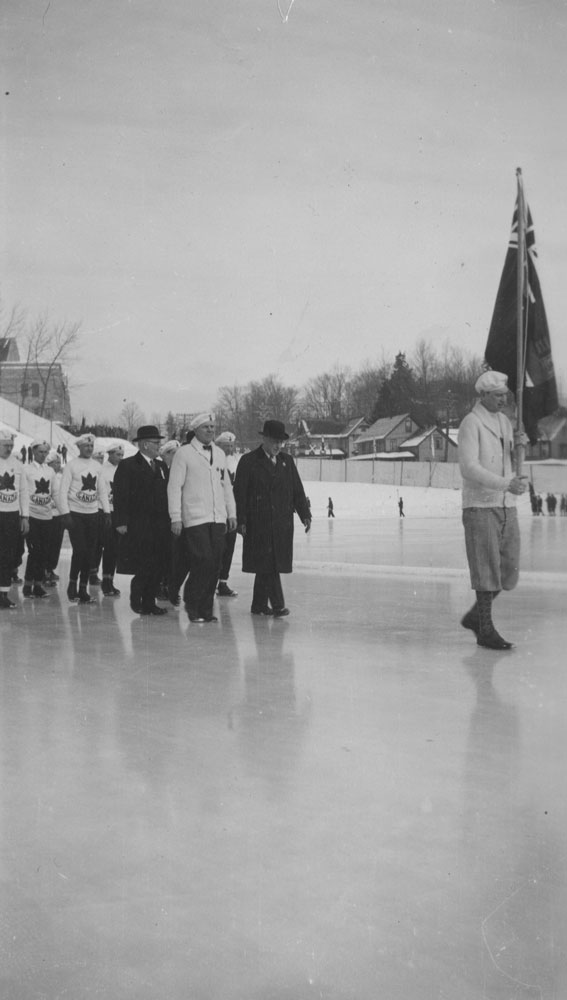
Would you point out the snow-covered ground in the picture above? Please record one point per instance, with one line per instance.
(367, 532)
(369, 501)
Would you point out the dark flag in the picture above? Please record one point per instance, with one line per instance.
(540, 388)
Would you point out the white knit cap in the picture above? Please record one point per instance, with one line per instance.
(201, 418)
(172, 445)
(116, 447)
(86, 439)
(6, 435)
(491, 382)
(227, 437)
(39, 442)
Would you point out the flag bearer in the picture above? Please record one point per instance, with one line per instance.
(490, 488)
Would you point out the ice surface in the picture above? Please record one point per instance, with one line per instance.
(354, 803)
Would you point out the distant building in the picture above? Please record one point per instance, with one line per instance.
(433, 445)
(40, 388)
(386, 437)
(552, 439)
(327, 438)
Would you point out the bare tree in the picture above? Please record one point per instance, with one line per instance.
(49, 345)
(328, 396)
(131, 417)
(230, 410)
(13, 322)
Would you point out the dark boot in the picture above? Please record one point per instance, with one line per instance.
(5, 603)
(72, 592)
(27, 590)
(38, 591)
(471, 620)
(108, 588)
(487, 635)
(84, 596)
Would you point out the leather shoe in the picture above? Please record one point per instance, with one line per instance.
(210, 618)
(198, 619)
(153, 610)
(173, 596)
(470, 620)
(223, 590)
(262, 611)
(281, 612)
(492, 640)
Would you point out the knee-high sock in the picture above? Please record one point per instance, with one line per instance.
(484, 605)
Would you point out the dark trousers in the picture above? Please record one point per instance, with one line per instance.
(83, 533)
(109, 548)
(267, 590)
(10, 541)
(179, 562)
(56, 532)
(228, 552)
(151, 566)
(37, 540)
(99, 542)
(205, 544)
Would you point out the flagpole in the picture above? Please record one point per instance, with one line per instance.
(520, 342)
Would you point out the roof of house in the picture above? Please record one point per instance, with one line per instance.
(419, 438)
(385, 456)
(382, 427)
(549, 427)
(8, 346)
(329, 428)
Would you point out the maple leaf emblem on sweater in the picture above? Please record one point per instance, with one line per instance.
(7, 482)
(42, 485)
(89, 481)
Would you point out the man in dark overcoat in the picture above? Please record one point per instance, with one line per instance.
(141, 519)
(268, 491)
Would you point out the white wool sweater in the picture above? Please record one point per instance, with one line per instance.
(199, 492)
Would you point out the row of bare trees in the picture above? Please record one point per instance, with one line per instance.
(434, 385)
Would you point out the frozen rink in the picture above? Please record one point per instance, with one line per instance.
(354, 803)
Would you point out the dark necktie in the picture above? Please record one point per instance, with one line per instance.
(208, 448)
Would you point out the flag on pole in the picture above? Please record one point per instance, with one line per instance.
(501, 354)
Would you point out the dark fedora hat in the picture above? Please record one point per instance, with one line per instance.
(275, 430)
(146, 432)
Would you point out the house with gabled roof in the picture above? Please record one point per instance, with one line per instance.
(386, 436)
(433, 445)
(327, 438)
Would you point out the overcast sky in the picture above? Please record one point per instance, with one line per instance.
(220, 192)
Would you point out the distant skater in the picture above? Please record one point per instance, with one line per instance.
(401, 507)
(330, 508)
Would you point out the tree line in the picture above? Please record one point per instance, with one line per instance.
(434, 385)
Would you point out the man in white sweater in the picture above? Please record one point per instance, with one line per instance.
(78, 503)
(490, 488)
(201, 505)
